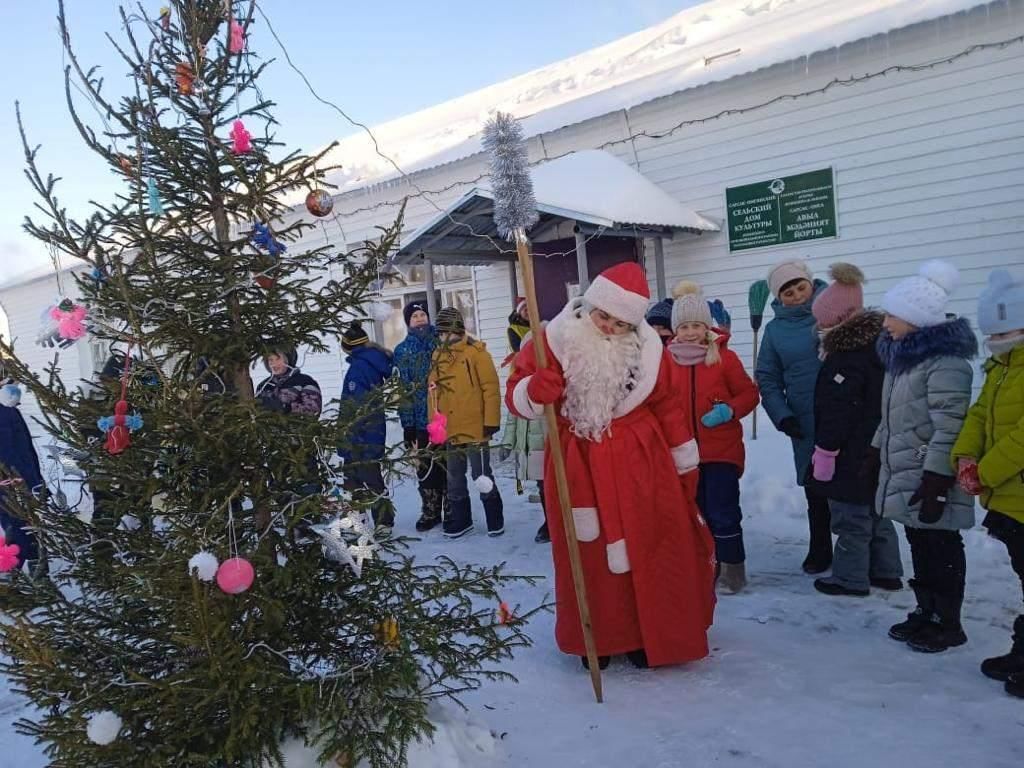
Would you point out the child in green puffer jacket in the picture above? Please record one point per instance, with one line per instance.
(989, 453)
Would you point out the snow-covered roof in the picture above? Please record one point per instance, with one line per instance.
(710, 42)
(591, 187)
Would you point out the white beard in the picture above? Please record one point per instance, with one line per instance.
(600, 371)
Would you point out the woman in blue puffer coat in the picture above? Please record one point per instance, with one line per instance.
(786, 373)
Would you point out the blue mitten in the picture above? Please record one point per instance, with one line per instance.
(718, 415)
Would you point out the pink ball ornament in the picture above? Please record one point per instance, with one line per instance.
(235, 576)
(319, 203)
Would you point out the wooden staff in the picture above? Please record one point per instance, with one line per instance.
(561, 480)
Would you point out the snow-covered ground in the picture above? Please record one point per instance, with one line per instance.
(795, 678)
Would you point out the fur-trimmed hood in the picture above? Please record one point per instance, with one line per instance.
(953, 338)
(859, 331)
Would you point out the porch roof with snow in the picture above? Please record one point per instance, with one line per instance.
(593, 189)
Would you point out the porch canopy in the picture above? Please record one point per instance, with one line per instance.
(590, 193)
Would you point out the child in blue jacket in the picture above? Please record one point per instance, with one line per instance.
(18, 460)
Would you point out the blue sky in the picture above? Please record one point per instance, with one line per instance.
(378, 60)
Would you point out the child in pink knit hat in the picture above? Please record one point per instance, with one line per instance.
(847, 410)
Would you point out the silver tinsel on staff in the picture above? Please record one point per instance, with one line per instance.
(515, 209)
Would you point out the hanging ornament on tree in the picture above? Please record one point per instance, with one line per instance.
(118, 428)
(236, 37)
(484, 484)
(241, 139)
(381, 311)
(235, 576)
(264, 239)
(103, 727)
(386, 633)
(319, 203)
(505, 615)
(155, 206)
(184, 77)
(204, 565)
(165, 19)
(354, 523)
(70, 319)
(9, 555)
(126, 164)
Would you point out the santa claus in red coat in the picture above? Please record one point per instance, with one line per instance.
(648, 557)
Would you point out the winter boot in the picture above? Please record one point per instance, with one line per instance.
(1015, 685)
(1004, 667)
(494, 509)
(732, 577)
(383, 513)
(944, 631)
(459, 520)
(543, 535)
(835, 589)
(433, 500)
(638, 659)
(819, 521)
(602, 662)
(917, 619)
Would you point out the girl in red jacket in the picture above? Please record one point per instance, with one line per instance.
(718, 393)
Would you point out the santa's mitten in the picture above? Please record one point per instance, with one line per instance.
(545, 386)
(968, 478)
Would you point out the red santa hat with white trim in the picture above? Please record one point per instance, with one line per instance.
(621, 291)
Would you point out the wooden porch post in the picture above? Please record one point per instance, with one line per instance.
(659, 268)
(428, 265)
(582, 267)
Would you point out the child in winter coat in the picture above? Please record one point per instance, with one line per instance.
(20, 465)
(523, 438)
(925, 397)
(786, 374)
(288, 389)
(413, 358)
(369, 366)
(467, 394)
(990, 449)
(847, 411)
(659, 317)
(717, 393)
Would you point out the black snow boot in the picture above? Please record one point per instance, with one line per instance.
(819, 522)
(494, 509)
(543, 536)
(1015, 685)
(459, 520)
(602, 662)
(917, 619)
(1004, 667)
(838, 590)
(433, 503)
(638, 659)
(944, 631)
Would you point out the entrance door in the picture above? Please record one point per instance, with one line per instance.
(555, 272)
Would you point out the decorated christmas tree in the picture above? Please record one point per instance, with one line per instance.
(225, 594)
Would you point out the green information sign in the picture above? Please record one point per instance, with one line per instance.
(789, 209)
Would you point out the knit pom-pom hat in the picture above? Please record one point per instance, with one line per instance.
(843, 299)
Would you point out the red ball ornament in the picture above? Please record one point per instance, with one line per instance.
(235, 575)
(319, 203)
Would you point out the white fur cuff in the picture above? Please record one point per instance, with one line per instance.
(618, 560)
(587, 526)
(686, 457)
(525, 407)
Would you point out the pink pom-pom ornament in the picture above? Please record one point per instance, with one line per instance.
(241, 138)
(235, 575)
(9, 555)
(70, 321)
(236, 43)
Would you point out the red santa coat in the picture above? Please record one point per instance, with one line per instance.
(701, 387)
(648, 557)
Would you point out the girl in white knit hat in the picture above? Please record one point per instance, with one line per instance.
(925, 396)
(717, 393)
